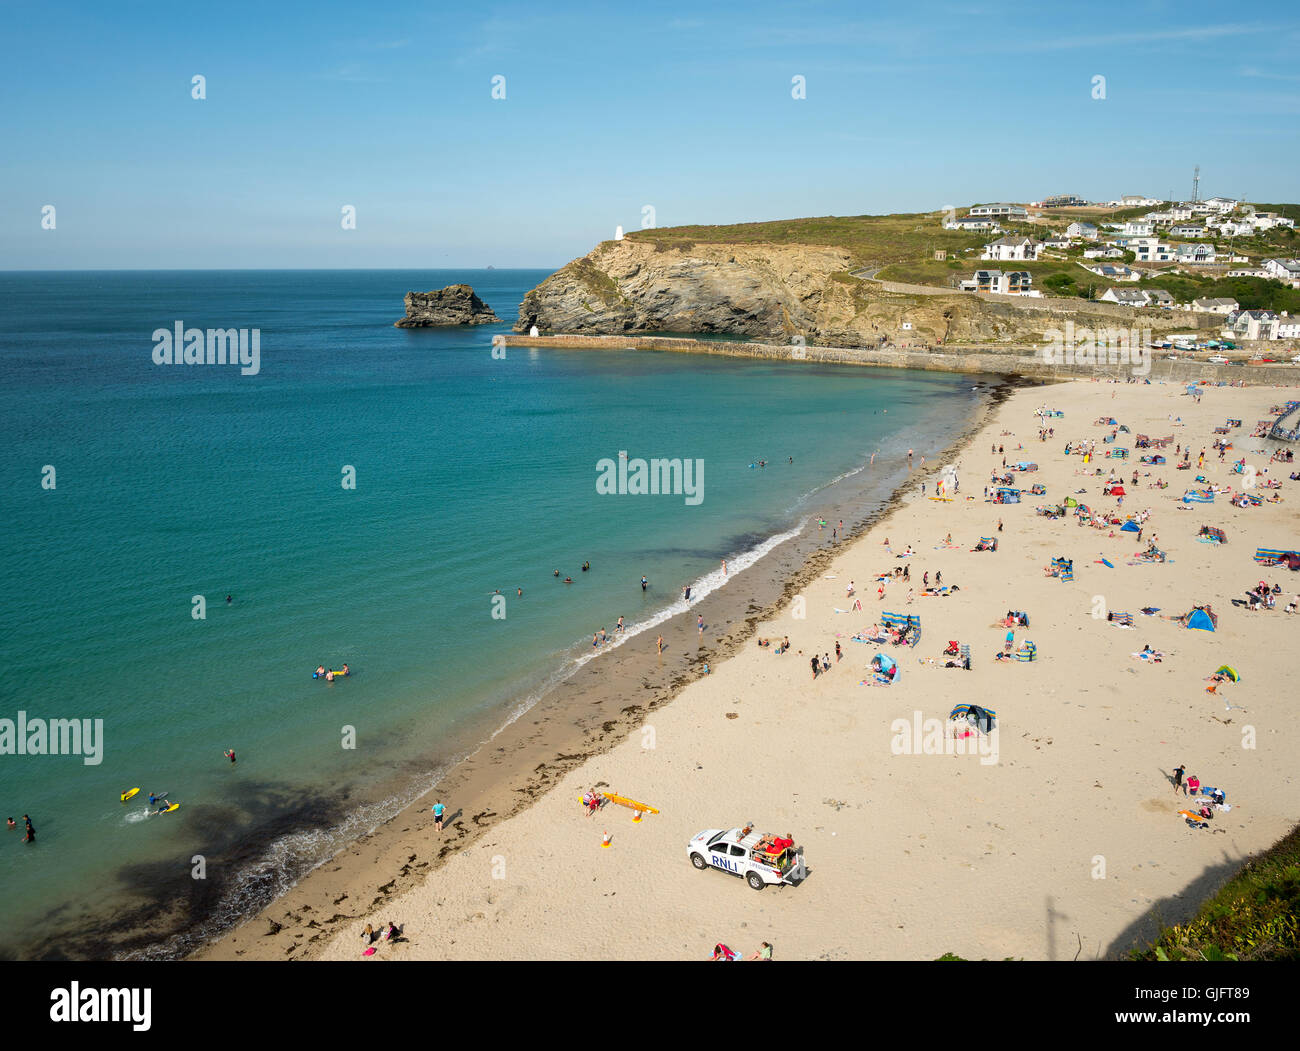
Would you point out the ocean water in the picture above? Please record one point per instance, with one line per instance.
(473, 473)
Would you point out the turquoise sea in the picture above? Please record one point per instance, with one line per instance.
(473, 474)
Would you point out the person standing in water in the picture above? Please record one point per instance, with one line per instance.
(619, 629)
(644, 583)
(724, 567)
(230, 754)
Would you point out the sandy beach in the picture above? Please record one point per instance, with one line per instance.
(1063, 840)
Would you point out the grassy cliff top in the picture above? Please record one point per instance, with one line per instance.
(872, 240)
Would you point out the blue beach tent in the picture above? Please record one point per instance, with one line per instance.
(1200, 620)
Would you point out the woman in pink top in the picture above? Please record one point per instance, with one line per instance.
(1193, 784)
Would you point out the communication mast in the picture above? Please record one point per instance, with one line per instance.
(1196, 184)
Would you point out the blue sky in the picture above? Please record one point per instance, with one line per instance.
(687, 108)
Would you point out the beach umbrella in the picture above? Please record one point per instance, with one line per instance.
(1231, 673)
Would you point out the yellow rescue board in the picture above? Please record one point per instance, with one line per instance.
(645, 808)
(129, 793)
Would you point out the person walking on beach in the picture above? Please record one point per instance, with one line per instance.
(699, 623)
(659, 643)
(1178, 779)
(999, 525)
(838, 653)
(438, 811)
(816, 665)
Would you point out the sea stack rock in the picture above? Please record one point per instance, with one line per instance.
(453, 305)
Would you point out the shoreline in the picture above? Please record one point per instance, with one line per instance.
(1069, 845)
(540, 747)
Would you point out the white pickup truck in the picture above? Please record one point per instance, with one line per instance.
(757, 858)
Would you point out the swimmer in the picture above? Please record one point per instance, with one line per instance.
(345, 669)
(12, 823)
(644, 583)
(568, 580)
(229, 600)
(230, 754)
(320, 669)
(557, 572)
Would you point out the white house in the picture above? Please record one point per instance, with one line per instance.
(1114, 273)
(1159, 297)
(1252, 324)
(1194, 253)
(972, 222)
(1222, 205)
(1012, 248)
(1056, 241)
(1287, 327)
(1149, 250)
(1084, 231)
(1270, 220)
(1010, 211)
(1103, 253)
(1159, 218)
(1186, 230)
(1138, 228)
(1015, 283)
(1248, 271)
(1181, 212)
(1128, 297)
(1206, 305)
(1285, 270)
(1229, 227)
(1132, 200)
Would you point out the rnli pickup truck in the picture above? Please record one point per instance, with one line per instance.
(752, 856)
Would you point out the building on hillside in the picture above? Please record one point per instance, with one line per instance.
(1114, 273)
(1209, 305)
(1006, 211)
(1126, 297)
(1270, 221)
(1249, 271)
(1287, 327)
(1221, 205)
(1285, 270)
(1159, 218)
(1083, 231)
(1012, 248)
(1149, 250)
(1138, 228)
(1194, 253)
(1063, 200)
(1109, 252)
(973, 222)
(1059, 241)
(995, 282)
(1187, 230)
(1159, 297)
(1251, 324)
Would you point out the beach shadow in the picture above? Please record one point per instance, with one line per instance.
(1174, 909)
(451, 819)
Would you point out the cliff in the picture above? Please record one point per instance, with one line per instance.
(781, 291)
(453, 305)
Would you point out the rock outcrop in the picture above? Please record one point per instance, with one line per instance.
(783, 292)
(453, 305)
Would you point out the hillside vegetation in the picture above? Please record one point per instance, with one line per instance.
(1255, 916)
